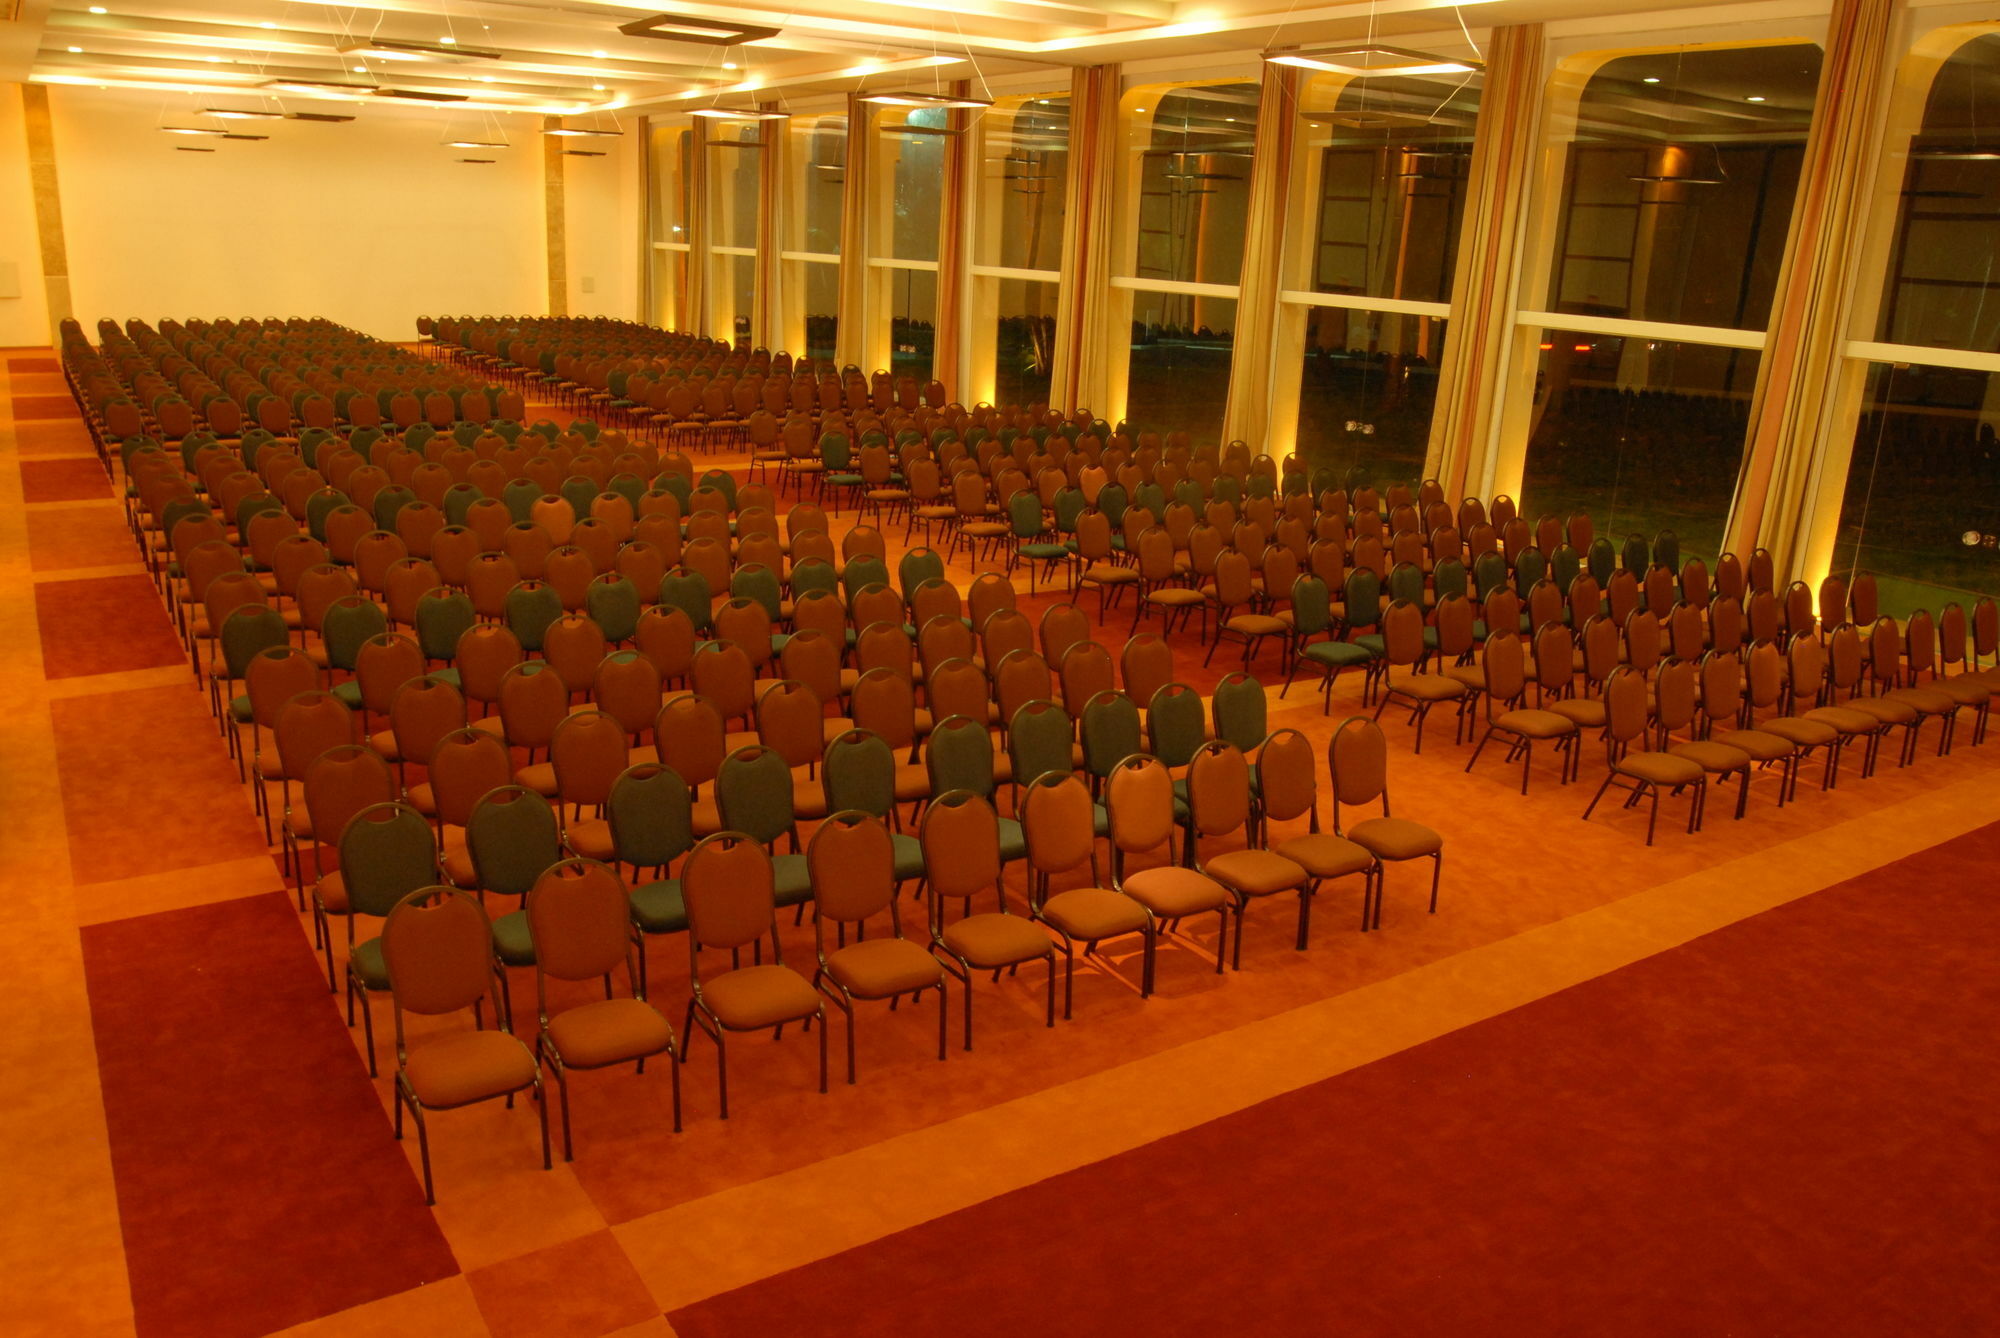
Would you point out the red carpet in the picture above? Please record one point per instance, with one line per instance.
(145, 787)
(104, 625)
(69, 480)
(257, 1181)
(60, 538)
(1790, 1126)
(44, 406)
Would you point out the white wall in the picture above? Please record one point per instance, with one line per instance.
(603, 222)
(24, 320)
(370, 223)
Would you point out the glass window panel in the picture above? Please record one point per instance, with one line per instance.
(1922, 509)
(667, 281)
(912, 146)
(1193, 180)
(815, 289)
(1391, 157)
(735, 161)
(1025, 181)
(1179, 373)
(912, 319)
(732, 298)
(1366, 391)
(669, 143)
(1643, 434)
(1944, 267)
(1024, 341)
(819, 157)
(1679, 184)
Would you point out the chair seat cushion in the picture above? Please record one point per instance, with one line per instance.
(1013, 841)
(657, 907)
(1324, 855)
(330, 893)
(1044, 552)
(1395, 838)
(907, 854)
(1171, 891)
(468, 1066)
(1107, 573)
(1587, 712)
(590, 838)
(790, 879)
(1338, 654)
(1965, 691)
(879, 968)
(1712, 756)
(1256, 873)
(1843, 718)
(1803, 733)
(1885, 710)
(1760, 744)
(995, 940)
(1256, 624)
(1537, 724)
(458, 870)
(1661, 768)
(759, 996)
(609, 1031)
(512, 942)
(1092, 913)
(1428, 687)
(1472, 675)
(539, 777)
(365, 964)
(1926, 700)
(1176, 596)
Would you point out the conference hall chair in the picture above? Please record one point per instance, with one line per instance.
(1357, 760)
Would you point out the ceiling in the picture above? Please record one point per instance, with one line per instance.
(571, 59)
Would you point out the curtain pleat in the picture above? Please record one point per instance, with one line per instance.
(1080, 371)
(768, 323)
(851, 336)
(1248, 415)
(1779, 488)
(949, 336)
(694, 309)
(1489, 252)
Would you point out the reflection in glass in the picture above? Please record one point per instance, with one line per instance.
(1679, 184)
(1944, 268)
(1391, 158)
(1643, 434)
(1922, 509)
(1179, 373)
(816, 289)
(1366, 391)
(1024, 342)
(732, 298)
(1194, 181)
(912, 321)
(1024, 182)
(913, 142)
(819, 156)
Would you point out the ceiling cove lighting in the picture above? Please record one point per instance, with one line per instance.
(1954, 154)
(395, 49)
(316, 116)
(575, 131)
(1363, 60)
(736, 114)
(319, 85)
(923, 100)
(710, 32)
(241, 114)
(474, 144)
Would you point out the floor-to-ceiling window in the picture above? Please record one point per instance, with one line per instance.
(1921, 508)
(1668, 229)
(735, 171)
(814, 203)
(1017, 260)
(668, 145)
(909, 187)
(1183, 201)
(1378, 180)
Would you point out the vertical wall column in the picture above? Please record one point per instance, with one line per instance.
(1465, 435)
(555, 217)
(695, 302)
(48, 205)
(954, 237)
(1248, 416)
(851, 335)
(1788, 492)
(1081, 373)
(767, 325)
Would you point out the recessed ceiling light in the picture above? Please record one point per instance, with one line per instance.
(76, 51)
(598, 55)
(728, 64)
(1362, 60)
(99, 9)
(1753, 99)
(267, 25)
(597, 88)
(1650, 79)
(361, 69)
(448, 41)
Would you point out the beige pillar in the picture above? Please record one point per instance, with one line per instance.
(48, 206)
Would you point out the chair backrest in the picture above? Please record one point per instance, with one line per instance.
(437, 946)
(387, 851)
(961, 844)
(1218, 789)
(1139, 800)
(1357, 762)
(958, 755)
(1058, 821)
(1285, 777)
(851, 863)
(512, 837)
(341, 782)
(690, 735)
(1505, 668)
(754, 793)
(730, 895)
(580, 921)
(1241, 710)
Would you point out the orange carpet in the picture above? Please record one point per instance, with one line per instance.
(257, 1183)
(44, 406)
(55, 436)
(146, 786)
(61, 538)
(104, 625)
(1791, 1125)
(66, 480)
(20, 366)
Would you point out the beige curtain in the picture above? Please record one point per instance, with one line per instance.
(1248, 415)
(1080, 375)
(1797, 379)
(1489, 252)
(953, 274)
(554, 215)
(694, 307)
(851, 336)
(768, 324)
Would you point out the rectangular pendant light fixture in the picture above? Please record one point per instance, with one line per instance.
(416, 95)
(193, 130)
(1365, 60)
(474, 144)
(573, 132)
(241, 114)
(923, 100)
(392, 49)
(709, 32)
(316, 116)
(739, 114)
(320, 85)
